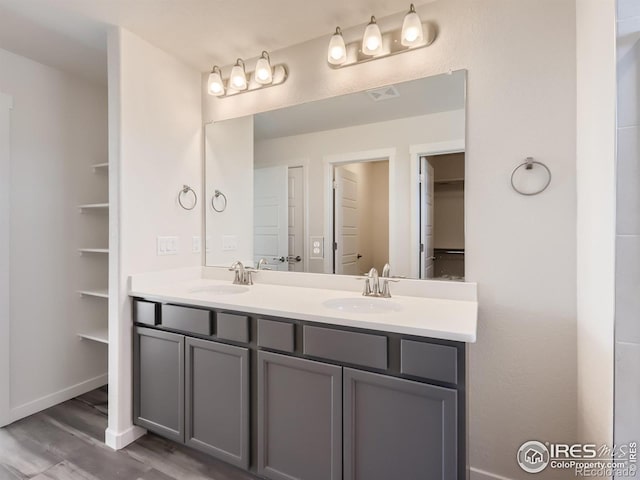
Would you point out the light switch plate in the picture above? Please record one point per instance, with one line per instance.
(229, 243)
(316, 247)
(196, 244)
(167, 246)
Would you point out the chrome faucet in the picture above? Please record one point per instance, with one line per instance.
(371, 284)
(386, 276)
(243, 275)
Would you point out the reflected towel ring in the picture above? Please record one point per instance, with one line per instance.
(186, 189)
(528, 165)
(217, 194)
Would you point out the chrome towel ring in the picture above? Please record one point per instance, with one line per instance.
(185, 190)
(528, 164)
(216, 195)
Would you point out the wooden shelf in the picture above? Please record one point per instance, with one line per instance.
(100, 293)
(93, 250)
(93, 206)
(100, 166)
(100, 336)
(448, 180)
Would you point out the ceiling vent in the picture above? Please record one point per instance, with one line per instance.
(384, 93)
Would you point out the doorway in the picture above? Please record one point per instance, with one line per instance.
(360, 216)
(442, 240)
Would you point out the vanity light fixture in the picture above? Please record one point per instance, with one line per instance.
(265, 75)
(215, 84)
(372, 38)
(375, 44)
(412, 28)
(337, 53)
(238, 79)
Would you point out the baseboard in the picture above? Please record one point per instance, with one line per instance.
(35, 406)
(120, 440)
(477, 474)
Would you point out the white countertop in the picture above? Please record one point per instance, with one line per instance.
(425, 317)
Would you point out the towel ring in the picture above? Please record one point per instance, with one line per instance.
(185, 190)
(528, 165)
(217, 194)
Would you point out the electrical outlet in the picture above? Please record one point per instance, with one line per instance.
(317, 248)
(167, 246)
(229, 243)
(196, 244)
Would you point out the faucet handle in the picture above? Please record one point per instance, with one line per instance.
(386, 291)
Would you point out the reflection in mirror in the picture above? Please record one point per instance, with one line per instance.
(345, 184)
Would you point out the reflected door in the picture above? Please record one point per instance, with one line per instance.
(427, 256)
(296, 219)
(270, 222)
(346, 231)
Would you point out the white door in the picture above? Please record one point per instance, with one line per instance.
(346, 232)
(296, 219)
(270, 222)
(426, 219)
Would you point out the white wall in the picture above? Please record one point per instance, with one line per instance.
(58, 129)
(596, 216)
(229, 167)
(6, 103)
(155, 146)
(395, 134)
(521, 99)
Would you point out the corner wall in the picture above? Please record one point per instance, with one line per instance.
(155, 146)
(520, 57)
(595, 20)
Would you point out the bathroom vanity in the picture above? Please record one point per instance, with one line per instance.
(351, 388)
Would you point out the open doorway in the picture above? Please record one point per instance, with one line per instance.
(442, 216)
(361, 216)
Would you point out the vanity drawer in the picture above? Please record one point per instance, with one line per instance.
(145, 312)
(187, 319)
(354, 348)
(232, 327)
(276, 335)
(427, 360)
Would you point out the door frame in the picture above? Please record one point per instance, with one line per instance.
(365, 156)
(415, 152)
(6, 105)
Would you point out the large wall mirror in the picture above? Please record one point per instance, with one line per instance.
(344, 184)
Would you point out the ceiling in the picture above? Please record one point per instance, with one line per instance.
(429, 95)
(200, 32)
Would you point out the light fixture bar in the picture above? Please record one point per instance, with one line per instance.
(241, 81)
(391, 45)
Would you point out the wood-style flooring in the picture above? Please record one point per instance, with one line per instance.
(66, 442)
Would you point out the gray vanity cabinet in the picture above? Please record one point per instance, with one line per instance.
(159, 382)
(217, 400)
(299, 418)
(396, 428)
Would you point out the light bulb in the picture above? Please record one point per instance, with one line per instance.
(412, 29)
(215, 85)
(264, 73)
(372, 39)
(238, 77)
(337, 52)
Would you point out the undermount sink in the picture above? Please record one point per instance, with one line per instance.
(220, 289)
(363, 305)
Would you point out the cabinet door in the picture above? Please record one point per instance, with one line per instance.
(217, 400)
(299, 418)
(395, 428)
(159, 382)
